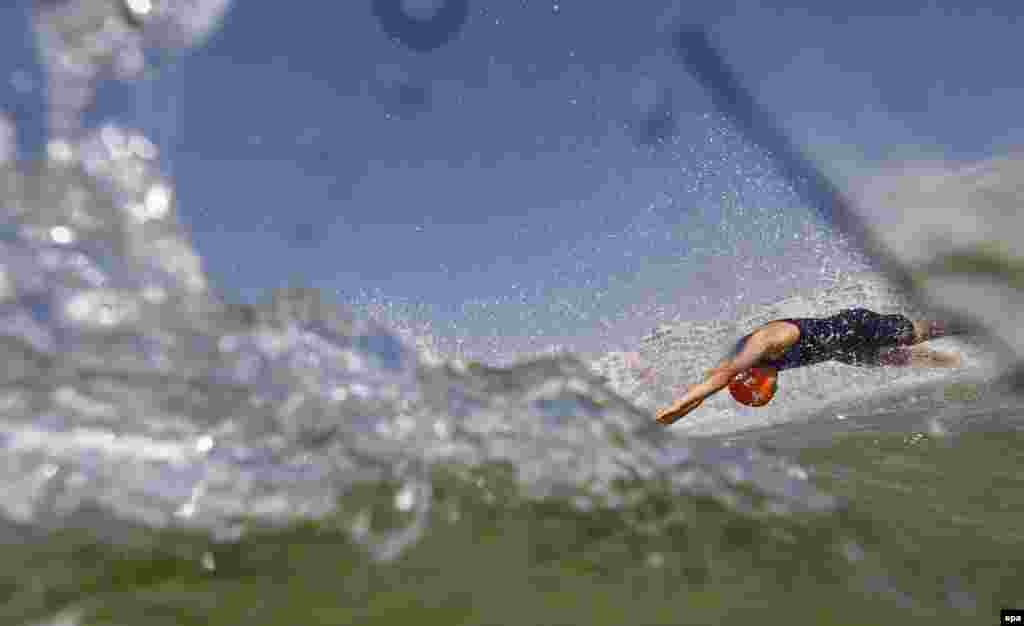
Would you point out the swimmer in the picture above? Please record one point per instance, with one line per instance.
(853, 336)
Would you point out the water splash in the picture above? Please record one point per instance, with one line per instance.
(131, 388)
(676, 355)
(84, 41)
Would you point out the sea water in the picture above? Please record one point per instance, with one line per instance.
(169, 457)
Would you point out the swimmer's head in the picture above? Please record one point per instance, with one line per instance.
(756, 386)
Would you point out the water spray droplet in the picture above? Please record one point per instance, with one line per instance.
(62, 235)
(405, 499)
(139, 8)
(208, 562)
(59, 151)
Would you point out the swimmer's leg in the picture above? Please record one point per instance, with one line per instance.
(917, 356)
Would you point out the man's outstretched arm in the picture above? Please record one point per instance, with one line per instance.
(715, 380)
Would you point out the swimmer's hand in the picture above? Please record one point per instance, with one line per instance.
(677, 410)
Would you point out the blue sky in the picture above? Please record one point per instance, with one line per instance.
(504, 188)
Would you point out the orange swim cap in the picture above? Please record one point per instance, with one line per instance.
(755, 387)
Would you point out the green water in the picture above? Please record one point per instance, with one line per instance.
(931, 534)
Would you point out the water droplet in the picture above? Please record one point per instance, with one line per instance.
(361, 391)
(142, 147)
(852, 551)
(158, 202)
(936, 428)
(405, 499)
(59, 151)
(453, 515)
(62, 235)
(154, 294)
(360, 526)
(186, 510)
(139, 8)
(208, 562)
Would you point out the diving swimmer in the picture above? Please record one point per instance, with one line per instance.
(852, 336)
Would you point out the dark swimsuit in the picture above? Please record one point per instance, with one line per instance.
(853, 336)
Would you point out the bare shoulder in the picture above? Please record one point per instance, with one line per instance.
(779, 335)
(767, 341)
